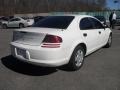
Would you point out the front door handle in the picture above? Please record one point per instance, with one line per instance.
(85, 34)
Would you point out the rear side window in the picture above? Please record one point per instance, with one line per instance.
(17, 19)
(60, 22)
(86, 24)
(96, 23)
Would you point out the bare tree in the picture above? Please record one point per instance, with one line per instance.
(9, 7)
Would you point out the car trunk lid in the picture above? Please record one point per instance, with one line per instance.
(32, 36)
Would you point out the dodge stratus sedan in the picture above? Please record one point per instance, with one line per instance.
(60, 40)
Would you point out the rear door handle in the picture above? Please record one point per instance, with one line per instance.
(85, 34)
(99, 32)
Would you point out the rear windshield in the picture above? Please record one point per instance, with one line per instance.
(60, 22)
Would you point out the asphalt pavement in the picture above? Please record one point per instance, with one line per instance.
(101, 70)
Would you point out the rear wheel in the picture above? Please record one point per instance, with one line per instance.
(109, 43)
(4, 26)
(77, 58)
(21, 25)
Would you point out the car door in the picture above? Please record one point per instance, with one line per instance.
(98, 26)
(11, 22)
(90, 35)
(14, 22)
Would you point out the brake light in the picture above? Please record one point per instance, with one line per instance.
(52, 41)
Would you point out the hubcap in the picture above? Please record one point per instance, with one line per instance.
(79, 58)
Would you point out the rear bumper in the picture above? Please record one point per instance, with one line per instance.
(40, 56)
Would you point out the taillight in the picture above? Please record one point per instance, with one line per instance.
(51, 41)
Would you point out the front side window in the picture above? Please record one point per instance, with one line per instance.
(96, 23)
(85, 24)
(15, 19)
(60, 22)
(12, 20)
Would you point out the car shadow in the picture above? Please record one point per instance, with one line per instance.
(66, 69)
(25, 68)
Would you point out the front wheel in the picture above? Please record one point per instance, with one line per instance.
(109, 42)
(21, 25)
(77, 58)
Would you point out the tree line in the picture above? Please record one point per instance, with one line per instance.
(9, 7)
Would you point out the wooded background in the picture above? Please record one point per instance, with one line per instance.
(10, 7)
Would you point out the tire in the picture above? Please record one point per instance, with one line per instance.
(4, 26)
(109, 42)
(21, 25)
(77, 58)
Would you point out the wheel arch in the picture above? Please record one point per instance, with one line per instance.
(21, 23)
(4, 24)
(82, 44)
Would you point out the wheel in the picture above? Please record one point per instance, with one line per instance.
(77, 58)
(109, 42)
(21, 25)
(4, 26)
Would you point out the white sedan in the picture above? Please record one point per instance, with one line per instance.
(60, 40)
(15, 22)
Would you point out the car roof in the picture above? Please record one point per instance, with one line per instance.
(17, 17)
(75, 15)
